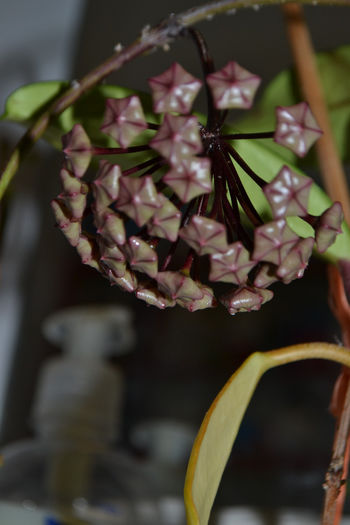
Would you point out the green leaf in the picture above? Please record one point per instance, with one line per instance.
(267, 163)
(220, 426)
(26, 103)
(334, 70)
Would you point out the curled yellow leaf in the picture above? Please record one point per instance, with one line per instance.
(220, 426)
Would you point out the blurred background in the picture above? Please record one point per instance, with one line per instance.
(179, 360)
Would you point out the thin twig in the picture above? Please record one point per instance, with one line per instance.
(197, 14)
(150, 39)
(335, 182)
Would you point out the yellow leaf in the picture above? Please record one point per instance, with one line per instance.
(220, 426)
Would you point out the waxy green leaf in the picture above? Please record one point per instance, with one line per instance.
(220, 426)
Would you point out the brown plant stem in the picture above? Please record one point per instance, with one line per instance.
(304, 57)
(338, 469)
(150, 39)
(335, 183)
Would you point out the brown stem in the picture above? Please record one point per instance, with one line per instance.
(335, 182)
(336, 475)
(206, 11)
(339, 302)
(304, 57)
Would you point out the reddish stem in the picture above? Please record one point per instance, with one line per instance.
(143, 165)
(96, 150)
(239, 136)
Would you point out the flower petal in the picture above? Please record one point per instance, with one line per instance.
(124, 119)
(74, 195)
(154, 297)
(204, 235)
(273, 241)
(138, 198)
(111, 227)
(141, 256)
(174, 90)
(71, 229)
(165, 222)
(231, 266)
(294, 265)
(296, 128)
(208, 300)
(329, 226)
(265, 276)
(233, 87)
(177, 286)
(128, 282)
(87, 250)
(190, 178)
(245, 299)
(106, 186)
(113, 259)
(177, 138)
(77, 149)
(288, 193)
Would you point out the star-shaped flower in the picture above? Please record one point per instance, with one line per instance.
(165, 222)
(128, 282)
(190, 178)
(70, 228)
(71, 184)
(329, 226)
(178, 138)
(114, 259)
(124, 119)
(293, 266)
(288, 193)
(208, 300)
(154, 297)
(265, 276)
(273, 241)
(86, 248)
(233, 87)
(106, 185)
(177, 286)
(74, 194)
(204, 235)
(296, 128)
(246, 299)
(141, 256)
(77, 149)
(111, 227)
(138, 198)
(174, 90)
(231, 266)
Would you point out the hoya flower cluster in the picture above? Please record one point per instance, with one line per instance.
(171, 226)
